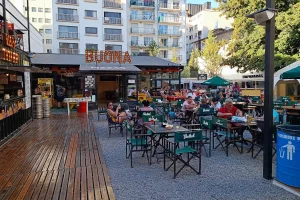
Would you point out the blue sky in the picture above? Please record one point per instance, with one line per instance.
(213, 3)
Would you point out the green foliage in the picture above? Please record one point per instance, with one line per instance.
(154, 49)
(210, 55)
(186, 73)
(193, 62)
(174, 58)
(247, 49)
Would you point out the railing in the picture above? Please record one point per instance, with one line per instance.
(135, 43)
(68, 35)
(142, 17)
(170, 44)
(143, 30)
(112, 20)
(112, 4)
(93, 1)
(142, 3)
(68, 51)
(75, 2)
(170, 19)
(170, 57)
(170, 32)
(67, 17)
(172, 6)
(113, 37)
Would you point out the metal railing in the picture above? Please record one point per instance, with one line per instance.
(142, 30)
(142, 17)
(172, 6)
(142, 3)
(68, 35)
(113, 37)
(75, 2)
(112, 20)
(170, 44)
(170, 57)
(68, 51)
(170, 19)
(170, 32)
(112, 4)
(94, 1)
(136, 43)
(67, 17)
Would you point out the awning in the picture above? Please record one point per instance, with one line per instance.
(109, 68)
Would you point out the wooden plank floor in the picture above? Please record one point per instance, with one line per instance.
(55, 158)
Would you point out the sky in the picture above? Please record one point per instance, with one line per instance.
(213, 3)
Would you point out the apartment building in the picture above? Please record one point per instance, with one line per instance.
(199, 25)
(72, 26)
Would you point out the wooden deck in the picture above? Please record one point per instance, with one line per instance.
(56, 158)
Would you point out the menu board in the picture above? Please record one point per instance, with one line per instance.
(89, 81)
(27, 89)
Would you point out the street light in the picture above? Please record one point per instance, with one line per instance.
(266, 17)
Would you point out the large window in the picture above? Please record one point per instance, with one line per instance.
(63, 45)
(91, 30)
(91, 46)
(112, 31)
(112, 14)
(67, 11)
(111, 47)
(91, 13)
(68, 29)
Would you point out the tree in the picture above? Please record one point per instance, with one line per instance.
(247, 48)
(193, 62)
(210, 55)
(174, 57)
(186, 72)
(154, 49)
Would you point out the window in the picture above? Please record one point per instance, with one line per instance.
(48, 41)
(91, 30)
(68, 29)
(67, 11)
(68, 45)
(148, 41)
(33, 9)
(91, 13)
(40, 9)
(111, 47)
(41, 20)
(112, 14)
(48, 21)
(112, 31)
(49, 50)
(41, 31)
(47, 10)
(91, 46)
(48, 31)
(34, 20)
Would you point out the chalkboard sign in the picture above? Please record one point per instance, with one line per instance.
(89, 81)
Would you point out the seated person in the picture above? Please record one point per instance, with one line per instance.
(131, 92)
(246, 99)
(216, 104)
(115, 115)
(228, 110)
(204, 103)
(146, 106)
(188, 104)
(145, 91)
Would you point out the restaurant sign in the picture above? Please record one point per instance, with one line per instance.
(107, 56)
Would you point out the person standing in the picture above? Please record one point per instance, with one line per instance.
(60, 95)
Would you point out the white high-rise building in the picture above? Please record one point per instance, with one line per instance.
(72, 26)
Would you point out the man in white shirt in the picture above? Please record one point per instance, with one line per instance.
(192, 94)
(131, 92)
(216, 104)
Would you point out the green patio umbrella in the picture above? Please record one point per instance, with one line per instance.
(216, 81)
(291, 74)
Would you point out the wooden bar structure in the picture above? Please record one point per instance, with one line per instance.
(56, 158)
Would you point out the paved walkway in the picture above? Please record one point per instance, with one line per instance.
(55, 158)
(235, 177)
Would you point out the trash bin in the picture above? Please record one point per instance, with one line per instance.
(288, 155)
(82, 107)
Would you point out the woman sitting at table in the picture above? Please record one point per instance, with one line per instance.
(115, 115)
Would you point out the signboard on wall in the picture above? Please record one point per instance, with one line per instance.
(89, 81)
(27, 89)
(202, 76)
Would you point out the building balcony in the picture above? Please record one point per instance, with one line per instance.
(73, 2)
(113, 37)
(142, 4)
(68, 51)
(112, 21)
(146, 18)
(169, 19)
(169, 6)
(91, 1)
(142, 30)
(170, 57)
(170, 32)
(170, 45)
(67, 17)
(140, 44)
(113, 4)
(68, 35)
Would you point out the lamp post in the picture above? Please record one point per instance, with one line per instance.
(266, 17)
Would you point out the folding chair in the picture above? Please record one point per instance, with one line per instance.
(136, 141)
(189, 143)
(202, 112)
(206, 124)
(115, 125)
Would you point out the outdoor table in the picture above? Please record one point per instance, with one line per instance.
(291, 107)
(75, 100)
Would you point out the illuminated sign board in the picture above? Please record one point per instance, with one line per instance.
(107, 56)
